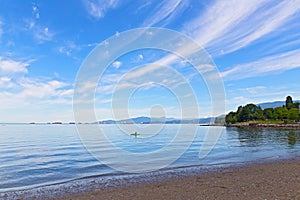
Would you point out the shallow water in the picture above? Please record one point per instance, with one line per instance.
(32, 156)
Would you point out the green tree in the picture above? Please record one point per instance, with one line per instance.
(231, 118)
(258, 114)
(278, 113)
(239, 110)
(244, 115)
(250, 112)
(294, 114)
(269, 113)
(289, 102)
(281, 113)
(285, 113)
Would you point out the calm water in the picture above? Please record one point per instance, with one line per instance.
(38, 155)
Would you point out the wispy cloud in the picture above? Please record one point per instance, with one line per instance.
(17, 90)
(33, 92)
(219, 18)
(69, 48)
(35, 88)
(8, 66)
(140, 57)
(98, 8)
(266, 22)
(227, 26)
(5, 82)
(35, 11)
(165, 12)
(30, 23)
(265, 66)
(43, 34)
(117, 64)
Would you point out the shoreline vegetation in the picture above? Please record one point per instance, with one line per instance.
(251, 115)
(265, 125)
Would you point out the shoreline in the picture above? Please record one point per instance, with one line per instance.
(258, 125)
(275, 179)
(262, 125)
(278, 175)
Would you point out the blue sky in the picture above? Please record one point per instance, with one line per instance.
(254, 44)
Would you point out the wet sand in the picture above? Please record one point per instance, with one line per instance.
(275, 180)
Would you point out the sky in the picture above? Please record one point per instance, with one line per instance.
(255, 46)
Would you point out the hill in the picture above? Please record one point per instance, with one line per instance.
(148, 120)
(274, 104)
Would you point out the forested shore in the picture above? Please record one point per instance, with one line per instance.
(287, 115)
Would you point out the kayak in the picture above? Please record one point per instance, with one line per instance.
(135, 134)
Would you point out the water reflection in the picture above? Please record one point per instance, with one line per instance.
(254, 137)
(293, 138)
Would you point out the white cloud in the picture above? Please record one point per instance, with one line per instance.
(21, 93)
(34, 92)
(43, 34)
(238, 100)
(143, 71)
(34, 8)
(257, 90)
(264, 66)
(219, 18)
(258, 26)
(166, 11)
(6, 82)
(35, 12)
(140, 57)
(117, 64)
(85, 87)
(227, 26)
(29, 24)
(98, 8)
(64, 50)
(40, 33)
(40, 89)
(69, 48)
(8, 66)
(168, 60)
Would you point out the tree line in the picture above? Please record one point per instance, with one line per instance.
(251, 112)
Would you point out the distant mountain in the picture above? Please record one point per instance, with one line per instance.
(107, 122)
(273, 104)
(148, 120)
(137, 120)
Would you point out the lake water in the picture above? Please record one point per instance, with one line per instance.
(32, 156)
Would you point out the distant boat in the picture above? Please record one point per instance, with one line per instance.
(71, 122)
(135, 134)
(57, 123)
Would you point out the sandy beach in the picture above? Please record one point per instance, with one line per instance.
(273, 180)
